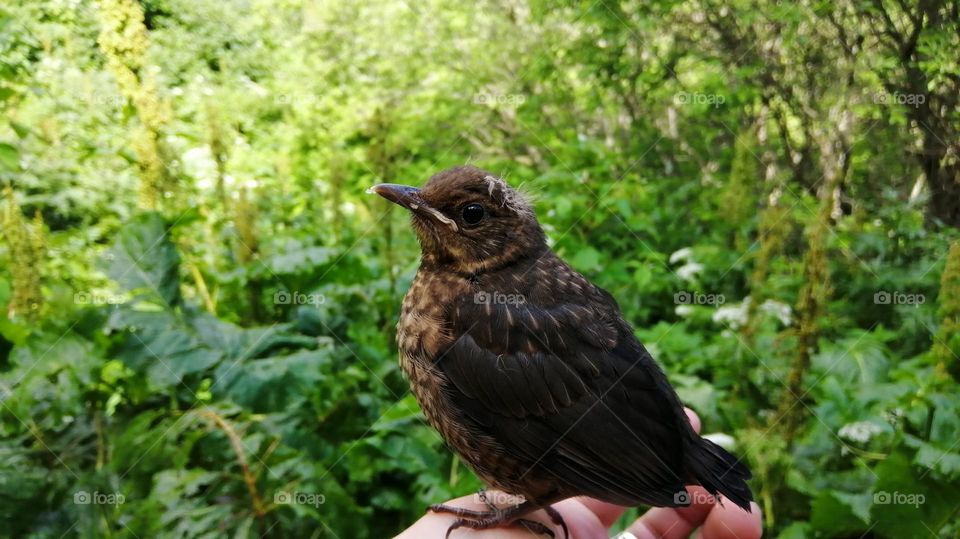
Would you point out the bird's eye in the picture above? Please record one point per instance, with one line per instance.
(473, 213)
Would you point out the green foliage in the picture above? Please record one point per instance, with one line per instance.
(755, 182)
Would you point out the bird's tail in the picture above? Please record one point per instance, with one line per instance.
(719, 471)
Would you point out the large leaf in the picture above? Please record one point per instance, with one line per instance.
(943, 462)
(836, 513)
(238, 343)
(859, 358)
(144, 259)
(296, 257)
(273, 384)
(908, 502)
(162, 347)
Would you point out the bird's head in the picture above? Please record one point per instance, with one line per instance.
(468, 220)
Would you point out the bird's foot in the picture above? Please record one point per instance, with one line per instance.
(461, 512)
(495, 517)
(488, 523)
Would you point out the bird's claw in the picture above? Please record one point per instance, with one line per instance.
(484, 520)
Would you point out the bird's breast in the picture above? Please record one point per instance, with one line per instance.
(424, 326)
(423, 334)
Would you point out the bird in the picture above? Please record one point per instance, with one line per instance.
(530, 372)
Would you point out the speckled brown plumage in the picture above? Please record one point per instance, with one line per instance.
(528, 371)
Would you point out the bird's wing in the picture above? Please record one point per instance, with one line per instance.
(566, 388)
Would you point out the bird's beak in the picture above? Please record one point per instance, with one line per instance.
(402, 195)
(409, 197)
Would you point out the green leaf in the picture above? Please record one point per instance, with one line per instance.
(273, 384)
(586, 259)
(9, 157)
(160, 346)
(908, 502)
(797, 530)
(835, 513)
(243, 343)
(9, 330)
(399, 414)
(144, 259)
(20, 129)
(13, 332)
(858, 358)
(298, 258)
(945, 463)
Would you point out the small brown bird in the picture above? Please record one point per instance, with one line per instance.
(530, 372)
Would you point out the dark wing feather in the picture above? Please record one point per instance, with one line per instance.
(567, 389)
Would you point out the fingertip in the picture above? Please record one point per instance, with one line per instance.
(701, 503)
(727, 521)
(694, 419)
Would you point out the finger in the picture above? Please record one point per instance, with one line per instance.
(581, 520)
(606, 513)
(731, 522)
(675, 522)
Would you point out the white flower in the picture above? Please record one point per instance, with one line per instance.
(682, 254)
(689, 270)
(782, 311)
(859, 431)
(198, 162)
(684, 310)
(735, 315)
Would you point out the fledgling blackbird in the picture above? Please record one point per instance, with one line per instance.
(530, 372)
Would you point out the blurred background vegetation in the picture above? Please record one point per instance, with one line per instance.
(199, 299)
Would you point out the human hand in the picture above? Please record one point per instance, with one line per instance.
(587, 518)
